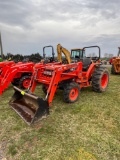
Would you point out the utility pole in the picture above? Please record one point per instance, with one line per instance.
(1, 49)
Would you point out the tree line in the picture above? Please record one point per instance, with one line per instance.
(36, 57)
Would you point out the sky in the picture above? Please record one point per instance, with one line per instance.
(27, 26)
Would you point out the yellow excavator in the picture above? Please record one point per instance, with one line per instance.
(61, 50)
(75, 55)
(115, 69)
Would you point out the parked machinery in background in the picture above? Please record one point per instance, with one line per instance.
(19, 74)
(115, 69)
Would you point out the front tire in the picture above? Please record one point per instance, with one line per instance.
(24, 82)
(71, 92)
(100, 79)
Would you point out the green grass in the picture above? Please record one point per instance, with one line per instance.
(86, 130)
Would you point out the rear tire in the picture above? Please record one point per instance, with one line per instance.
(100, 79)
(71, 92)
(113, 69)
(24, 82)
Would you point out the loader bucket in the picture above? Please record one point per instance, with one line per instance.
(28, 106)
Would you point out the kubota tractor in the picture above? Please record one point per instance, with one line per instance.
(115, 69)
(68, 77)
(17, 74)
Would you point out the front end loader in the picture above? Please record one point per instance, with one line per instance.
(67, 77)
(26, 104)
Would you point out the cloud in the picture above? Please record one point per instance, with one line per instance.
(27, 26)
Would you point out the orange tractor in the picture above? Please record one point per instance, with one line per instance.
(70, 78)
(19, 74)
(115, 69)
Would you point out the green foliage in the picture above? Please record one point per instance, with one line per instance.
(36, 57)
(1, 59)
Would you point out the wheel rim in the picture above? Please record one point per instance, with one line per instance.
(104, 80)
(73, 94)
(26, 83)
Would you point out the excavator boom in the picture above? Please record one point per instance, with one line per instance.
(61, 50)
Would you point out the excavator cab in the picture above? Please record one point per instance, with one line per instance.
(77, 54)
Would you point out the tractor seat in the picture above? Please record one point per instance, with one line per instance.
(86, 63)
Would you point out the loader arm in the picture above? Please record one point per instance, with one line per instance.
(61, 50)
(6, 80)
